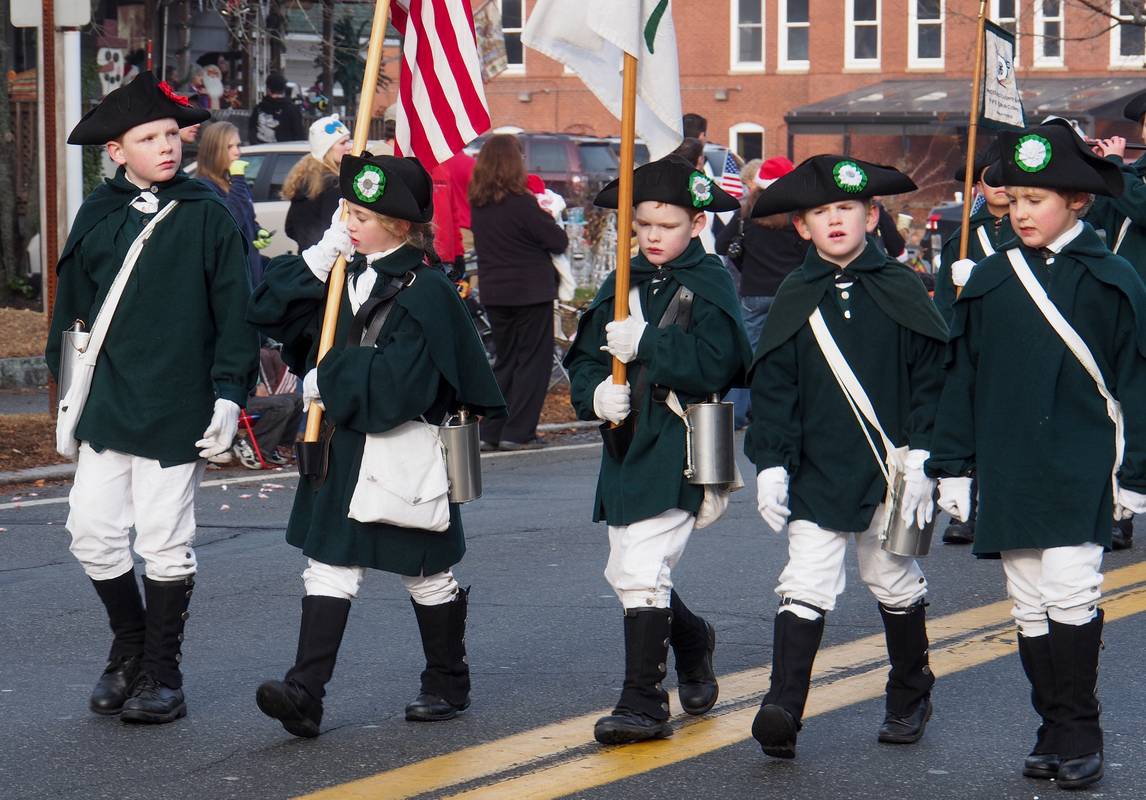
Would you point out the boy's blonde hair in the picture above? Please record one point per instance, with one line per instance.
(310, 177)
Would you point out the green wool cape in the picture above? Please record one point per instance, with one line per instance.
(999, 232)
(427, 361)
(708, 359)
(1018, 408)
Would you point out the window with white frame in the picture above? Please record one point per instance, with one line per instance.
(1127, 42)
(925, 33)
(1049, 19)
(861, 33)
(512, 21)
(747, 34)
(1005, 14)
(794, 28)
(747, 140)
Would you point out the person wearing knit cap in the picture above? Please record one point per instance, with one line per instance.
(177, 363)
(1046, 333)
(312, 184)
(819, 473)
(772, 170)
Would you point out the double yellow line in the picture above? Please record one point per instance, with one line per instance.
(561, 759)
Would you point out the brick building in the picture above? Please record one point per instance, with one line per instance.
(884, 79)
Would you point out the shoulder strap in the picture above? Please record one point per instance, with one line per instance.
(1075, 344)
(374, 312)
(985, 240)
(111, 301)
(1121, 235)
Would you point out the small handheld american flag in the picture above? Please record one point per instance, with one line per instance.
(730, 177)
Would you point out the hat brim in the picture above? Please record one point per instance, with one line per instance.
(398, 199)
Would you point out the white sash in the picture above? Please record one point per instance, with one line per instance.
(985, 241)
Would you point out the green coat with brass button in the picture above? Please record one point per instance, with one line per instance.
(426, 361)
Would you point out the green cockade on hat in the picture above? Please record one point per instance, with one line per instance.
(1032, 153)
(849, 176)
(700, 187)
(369, 183)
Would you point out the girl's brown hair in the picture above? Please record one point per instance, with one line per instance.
(499, 171)
(213, 161)
(310, 177)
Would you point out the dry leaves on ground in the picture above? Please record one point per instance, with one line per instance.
(27, 440)
(22, 332)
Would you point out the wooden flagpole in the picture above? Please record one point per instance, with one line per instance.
(337, 280)
(625, 201)
(970, 177)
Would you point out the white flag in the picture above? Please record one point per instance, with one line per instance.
(591, 36)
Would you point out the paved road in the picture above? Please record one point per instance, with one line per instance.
(545, 648)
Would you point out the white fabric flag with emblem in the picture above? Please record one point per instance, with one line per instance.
(592, 36)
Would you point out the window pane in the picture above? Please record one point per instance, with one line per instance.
(1131, 43)
(511, 13)
(513, 53)
(930, 41)
(750, 11)
(797, 10)
(751, 45)
(864, 10)
(797, 44)
(1006, 9)
(1052, 47)
(927, 9)
(597, 158)
(1050, 8)
(867, 42)
(547, 156)
(284, 163)
(750, 145)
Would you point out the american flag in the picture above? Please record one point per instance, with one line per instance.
(730, 177)
(441, 102)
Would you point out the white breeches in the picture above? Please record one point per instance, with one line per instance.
(343, 582)
(1060, 582)
(114, 491)
(815, 570)
(642, 555)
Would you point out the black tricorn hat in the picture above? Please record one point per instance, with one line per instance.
(143, 100)
(1135, 108)
(1053, 156)
(388, 185)
(985, 159)
(825, 179)
(674, 181)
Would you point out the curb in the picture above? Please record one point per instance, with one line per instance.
(51, 472)
(23, 373)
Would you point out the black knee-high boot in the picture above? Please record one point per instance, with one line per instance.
(1035, 655)
(296, 700)
(693, 642)
(446, 679)
(125, 614)
(643, 711)
(910, 680)
(158, 694)
(1075, 651)
(795, 641)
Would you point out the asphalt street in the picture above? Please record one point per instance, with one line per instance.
(545, 648)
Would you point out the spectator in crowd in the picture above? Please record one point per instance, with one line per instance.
(514, 239)
(695, 127)
(312, 185)
(197, 88)
(277, 410)
(190, 138)
(275, 118)
(887, 236)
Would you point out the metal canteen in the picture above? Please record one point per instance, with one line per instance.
(73, 343)
(459, 437)
(709, 446)
(899, 536)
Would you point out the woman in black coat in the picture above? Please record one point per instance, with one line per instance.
(312, 184)
(514, 239)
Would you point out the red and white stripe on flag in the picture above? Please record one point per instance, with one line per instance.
(730, 177)
(441, 101)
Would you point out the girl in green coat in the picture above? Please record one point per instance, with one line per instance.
(425, 363)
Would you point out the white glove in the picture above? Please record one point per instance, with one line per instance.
(955, 497)
(335, 242)
(961, 271)
(310, 391)
(220, 434)
(624, 337)
(611, 401)
(712, 507)
(772, 497)
(1128, 503)
(917, 504)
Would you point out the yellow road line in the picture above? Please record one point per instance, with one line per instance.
(518, 751)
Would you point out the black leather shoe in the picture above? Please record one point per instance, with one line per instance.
(625, 727)
(908, 729)
(431, 708)
(775, 729)
(697, 689)
(1041, 765)
(959, 533)
(153, 703)
(291, 705)
(1121, 536)
(114, 685)
(1076, 773)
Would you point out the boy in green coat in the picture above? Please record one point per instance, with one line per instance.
(177, 364)
(818, 464)
(684, 335)
(1039, 422)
